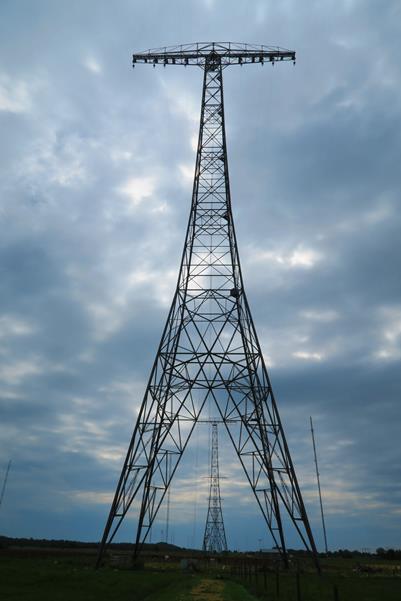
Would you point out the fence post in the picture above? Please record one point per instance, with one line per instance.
(277, 582)
(335, 591)
(299, 597)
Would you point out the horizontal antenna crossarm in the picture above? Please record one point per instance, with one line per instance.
(226, 53)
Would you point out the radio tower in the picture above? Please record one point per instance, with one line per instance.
(209, 351)
(214, 539)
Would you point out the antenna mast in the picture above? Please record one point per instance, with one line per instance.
(3, 489)
(209, 352)
(168, 502)
(214, 540)
(318, 485)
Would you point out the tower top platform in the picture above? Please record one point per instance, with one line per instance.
(228, 53)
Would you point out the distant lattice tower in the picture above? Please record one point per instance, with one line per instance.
(214, 539)
(209, 352)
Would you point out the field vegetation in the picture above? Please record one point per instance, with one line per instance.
(54, 574)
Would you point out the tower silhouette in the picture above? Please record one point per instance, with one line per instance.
(209, 351)
(214, 539)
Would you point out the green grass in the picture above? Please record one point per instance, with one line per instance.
(351, 587)
(181, 591)
(234, 591)
(76, 580)
(176, 591)
(72, 580)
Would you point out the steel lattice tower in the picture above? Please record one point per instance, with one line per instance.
(209, 350)
(214, 539)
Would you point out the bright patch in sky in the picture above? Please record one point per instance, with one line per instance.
(186, 172)
(303, 257)
(91, 497)
(92, 65)
(194, 142)
(308, 356)
(15, 373)
(320, 315)
(14, 326)
(390, 344)
(300, 257)
(183, 103)
(14, 95)
(137, 190)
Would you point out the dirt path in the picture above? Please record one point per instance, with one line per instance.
(208, 590)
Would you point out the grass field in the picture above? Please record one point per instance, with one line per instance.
(75, 579)
(314, 588)
(72, 578)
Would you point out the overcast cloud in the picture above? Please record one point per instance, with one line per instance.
(96, 171)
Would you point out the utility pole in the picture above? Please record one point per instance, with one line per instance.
(209, 351)
(3, 488)
(318, 486)
(214, 539)
(168, 505)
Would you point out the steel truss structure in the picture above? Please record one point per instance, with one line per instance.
(214, 539)
(209, 351)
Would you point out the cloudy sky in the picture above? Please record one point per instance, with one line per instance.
(96, 168)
